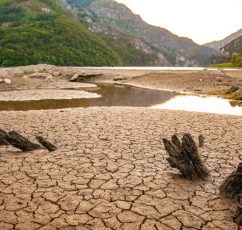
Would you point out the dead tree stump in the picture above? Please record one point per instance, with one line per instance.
(20, 142)
(46, 144)
(232, 185)
(232, 188)
(237, 217)
(185, 157)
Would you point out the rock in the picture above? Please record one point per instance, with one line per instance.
(233, 89)
(76, 76)
(1, 81)
(56, 74)
(80, 76)
(7, 81)
(119, 78)
(219, 79)
(49, 77)
(44, 76)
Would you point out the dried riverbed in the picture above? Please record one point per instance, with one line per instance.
(110, 171)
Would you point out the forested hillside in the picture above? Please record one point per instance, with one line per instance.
(33, 32)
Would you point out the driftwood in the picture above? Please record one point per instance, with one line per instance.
(18, 141)
(3, 136)
(237, 217)
(185, 157)
(46, 143)
(232, 185)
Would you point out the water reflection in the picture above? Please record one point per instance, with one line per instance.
(201, 104)
(112, 95)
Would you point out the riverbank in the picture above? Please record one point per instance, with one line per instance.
(190, 81)
(110, 170)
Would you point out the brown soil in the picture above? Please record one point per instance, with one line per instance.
(110, 171)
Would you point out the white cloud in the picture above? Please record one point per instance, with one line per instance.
(201, 20)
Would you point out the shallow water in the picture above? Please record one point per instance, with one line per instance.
(112, 95)
(201, 104)
(122, 95)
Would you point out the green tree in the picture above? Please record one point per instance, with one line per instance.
(233, 58)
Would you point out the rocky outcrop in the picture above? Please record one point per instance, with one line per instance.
(218, 45)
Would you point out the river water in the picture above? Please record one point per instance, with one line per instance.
(122, 95)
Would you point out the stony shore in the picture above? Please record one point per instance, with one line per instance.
(110, 171)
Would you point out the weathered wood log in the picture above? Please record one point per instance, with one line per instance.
(20, 142)
(3, 141)
(237, 217)
(185, 157)
(232, 185)
(46, 143)
(3, 136)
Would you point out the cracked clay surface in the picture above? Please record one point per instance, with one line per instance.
(110, 171)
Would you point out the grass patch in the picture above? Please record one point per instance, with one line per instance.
(223, 93)
(226, 65)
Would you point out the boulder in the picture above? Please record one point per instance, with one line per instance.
(81, 76)
(56, 74)
(44, 76)
(119, 78)
(233, 89)
(219, 79)
(7, 81)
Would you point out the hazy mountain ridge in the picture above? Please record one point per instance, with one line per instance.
(107, 16)
(234, 46)
(218, 45)
(230, 51)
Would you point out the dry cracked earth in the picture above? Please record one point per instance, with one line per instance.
(110, 171)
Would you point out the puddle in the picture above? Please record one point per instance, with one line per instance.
(112, 95)
(201, 104)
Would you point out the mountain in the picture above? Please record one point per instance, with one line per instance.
(230, 54)
(124, 31)
(220, 44)
(44, 31)
(234, 46)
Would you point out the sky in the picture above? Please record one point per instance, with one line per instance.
(201, 20)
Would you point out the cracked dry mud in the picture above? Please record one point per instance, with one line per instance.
(110, 171)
